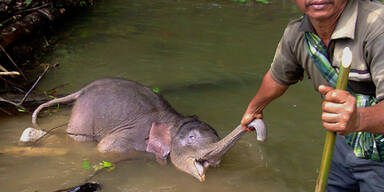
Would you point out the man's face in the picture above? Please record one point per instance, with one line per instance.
(321, 9)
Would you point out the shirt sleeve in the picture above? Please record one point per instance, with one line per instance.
(375, 59)
(285, 68)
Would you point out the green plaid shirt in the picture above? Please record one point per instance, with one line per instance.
(365, 145)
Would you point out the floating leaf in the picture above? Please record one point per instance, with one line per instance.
(156, 90)
(101, 165)
(86, 164)
(107, 164)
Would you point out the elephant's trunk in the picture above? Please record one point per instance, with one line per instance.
(216, 150)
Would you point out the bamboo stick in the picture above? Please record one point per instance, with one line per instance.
(9, 73)
(330, 137)
(13, 62)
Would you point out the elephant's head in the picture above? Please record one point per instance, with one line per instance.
(195, 146)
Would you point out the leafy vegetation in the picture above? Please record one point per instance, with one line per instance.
(257, 1)
(99, 166)
(156, 90)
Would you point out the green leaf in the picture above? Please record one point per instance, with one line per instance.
(107, 164)
(84, 34)
(20, 110)
(241, 1)
(83, 3)
(101, 165)
(86, 164)
(27, 2)
(53, 97)
(263, 1)
(156, 90)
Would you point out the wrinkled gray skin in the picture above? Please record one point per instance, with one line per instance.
(124, 116)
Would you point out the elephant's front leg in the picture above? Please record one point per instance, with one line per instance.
(120, 146)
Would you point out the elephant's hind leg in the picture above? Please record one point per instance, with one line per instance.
(80, 125)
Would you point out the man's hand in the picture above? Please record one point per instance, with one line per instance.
(247, 118)
(339, 114)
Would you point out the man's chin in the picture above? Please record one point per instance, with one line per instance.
(319, 15)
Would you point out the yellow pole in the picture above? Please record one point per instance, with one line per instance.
(330, 137)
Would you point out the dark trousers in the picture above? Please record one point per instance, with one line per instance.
(351, 174)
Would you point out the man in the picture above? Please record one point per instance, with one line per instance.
(313, 45)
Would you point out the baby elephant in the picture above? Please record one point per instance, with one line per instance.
(125, 116)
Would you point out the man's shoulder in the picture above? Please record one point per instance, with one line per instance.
(292, 31)
(372, 11)
(295, 24)
(373, 7)
(371, 18)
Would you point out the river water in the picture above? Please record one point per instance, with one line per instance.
(207, 58)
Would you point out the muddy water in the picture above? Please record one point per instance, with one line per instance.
(207, 58)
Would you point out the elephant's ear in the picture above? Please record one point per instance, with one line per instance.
(159, 141)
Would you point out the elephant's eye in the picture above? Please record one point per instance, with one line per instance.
(192, 137)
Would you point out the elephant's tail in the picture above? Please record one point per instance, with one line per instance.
(65, 99)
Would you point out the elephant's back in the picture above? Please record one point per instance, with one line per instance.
(109, 105)
(137, 97)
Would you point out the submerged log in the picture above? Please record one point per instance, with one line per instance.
(22, 22)
(26, 25)
(23, 26)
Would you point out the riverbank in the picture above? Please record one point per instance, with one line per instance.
(27, 28)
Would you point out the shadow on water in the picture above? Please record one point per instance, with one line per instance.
(202, 86)
(207, 58)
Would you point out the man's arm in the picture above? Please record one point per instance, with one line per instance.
(268, 91)
(341, 115)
